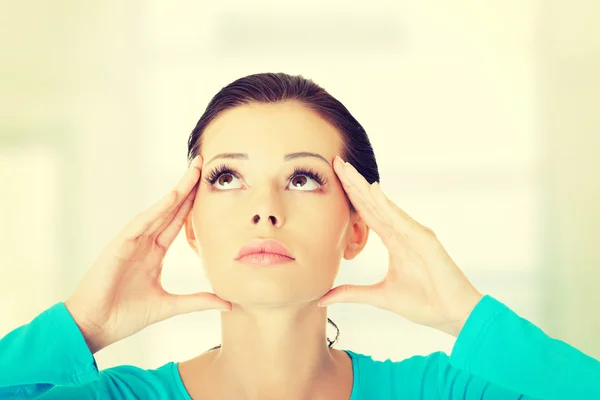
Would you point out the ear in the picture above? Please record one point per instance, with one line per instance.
(359, 233)
(190, 234)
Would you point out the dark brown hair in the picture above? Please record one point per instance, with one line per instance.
(280, 87)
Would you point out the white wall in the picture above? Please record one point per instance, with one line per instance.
(570, 106)
(464, 103)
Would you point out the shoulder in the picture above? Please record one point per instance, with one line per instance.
(429, 376)
(415, 364)
(397, 378)
(126, 382)
(158, 383)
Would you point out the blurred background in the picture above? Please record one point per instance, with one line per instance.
(484, 116)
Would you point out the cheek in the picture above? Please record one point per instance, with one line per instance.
(325, 230)
(319, 223)
(209, 219)
(213, 239)
(217, 222)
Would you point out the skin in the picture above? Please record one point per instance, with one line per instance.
(274, 309)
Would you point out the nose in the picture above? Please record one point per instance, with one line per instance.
(267, 208)
(272, 219)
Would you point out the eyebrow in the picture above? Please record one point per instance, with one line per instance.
(287, 157)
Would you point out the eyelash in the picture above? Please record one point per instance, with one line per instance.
(216, 173)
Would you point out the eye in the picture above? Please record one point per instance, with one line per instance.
(222, 177)
(305, 179)
(224, 182)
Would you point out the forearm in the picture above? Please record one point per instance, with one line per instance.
(48, 351)
(508, 350)
(461, 310)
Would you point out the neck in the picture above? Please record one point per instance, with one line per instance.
(275, 352)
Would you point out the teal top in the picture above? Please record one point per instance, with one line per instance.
(497, 355)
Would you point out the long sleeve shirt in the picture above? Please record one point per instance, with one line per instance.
(497, 355)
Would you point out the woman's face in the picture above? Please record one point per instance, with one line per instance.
(263, 197)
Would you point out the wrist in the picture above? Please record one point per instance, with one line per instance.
(454, 325)
(92, 334)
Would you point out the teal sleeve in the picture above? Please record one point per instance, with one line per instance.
(47, 352)
(49, 359)
(432, 377)
(499, 346)
(497, 356)
(429, 377)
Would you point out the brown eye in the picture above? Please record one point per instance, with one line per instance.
(303, 183)
(299, 180)
(225, 179)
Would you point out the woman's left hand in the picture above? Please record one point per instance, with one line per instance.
(422, 284)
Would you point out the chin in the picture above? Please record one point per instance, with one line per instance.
(272, 294)
(270, 286)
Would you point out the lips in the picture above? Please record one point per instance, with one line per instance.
(264, 246)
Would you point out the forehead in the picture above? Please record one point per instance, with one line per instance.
(271, 129)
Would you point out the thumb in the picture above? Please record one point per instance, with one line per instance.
(364, 294)
(186, 303)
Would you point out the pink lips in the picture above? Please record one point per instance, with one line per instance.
(264, 252)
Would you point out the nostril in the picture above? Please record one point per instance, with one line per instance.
(272, 218)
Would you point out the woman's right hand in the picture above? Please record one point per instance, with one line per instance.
(121, 293)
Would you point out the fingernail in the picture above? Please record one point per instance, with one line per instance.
(196, 161)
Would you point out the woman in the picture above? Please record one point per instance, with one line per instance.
(271, 209)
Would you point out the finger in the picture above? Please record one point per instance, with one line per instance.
(173, 227)
(144, 222)
(181, 191)
(364, 294)
(186, 303)
(167, 221)
(348, 178)
(354, 186)
(357, 186)
(384, 202)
